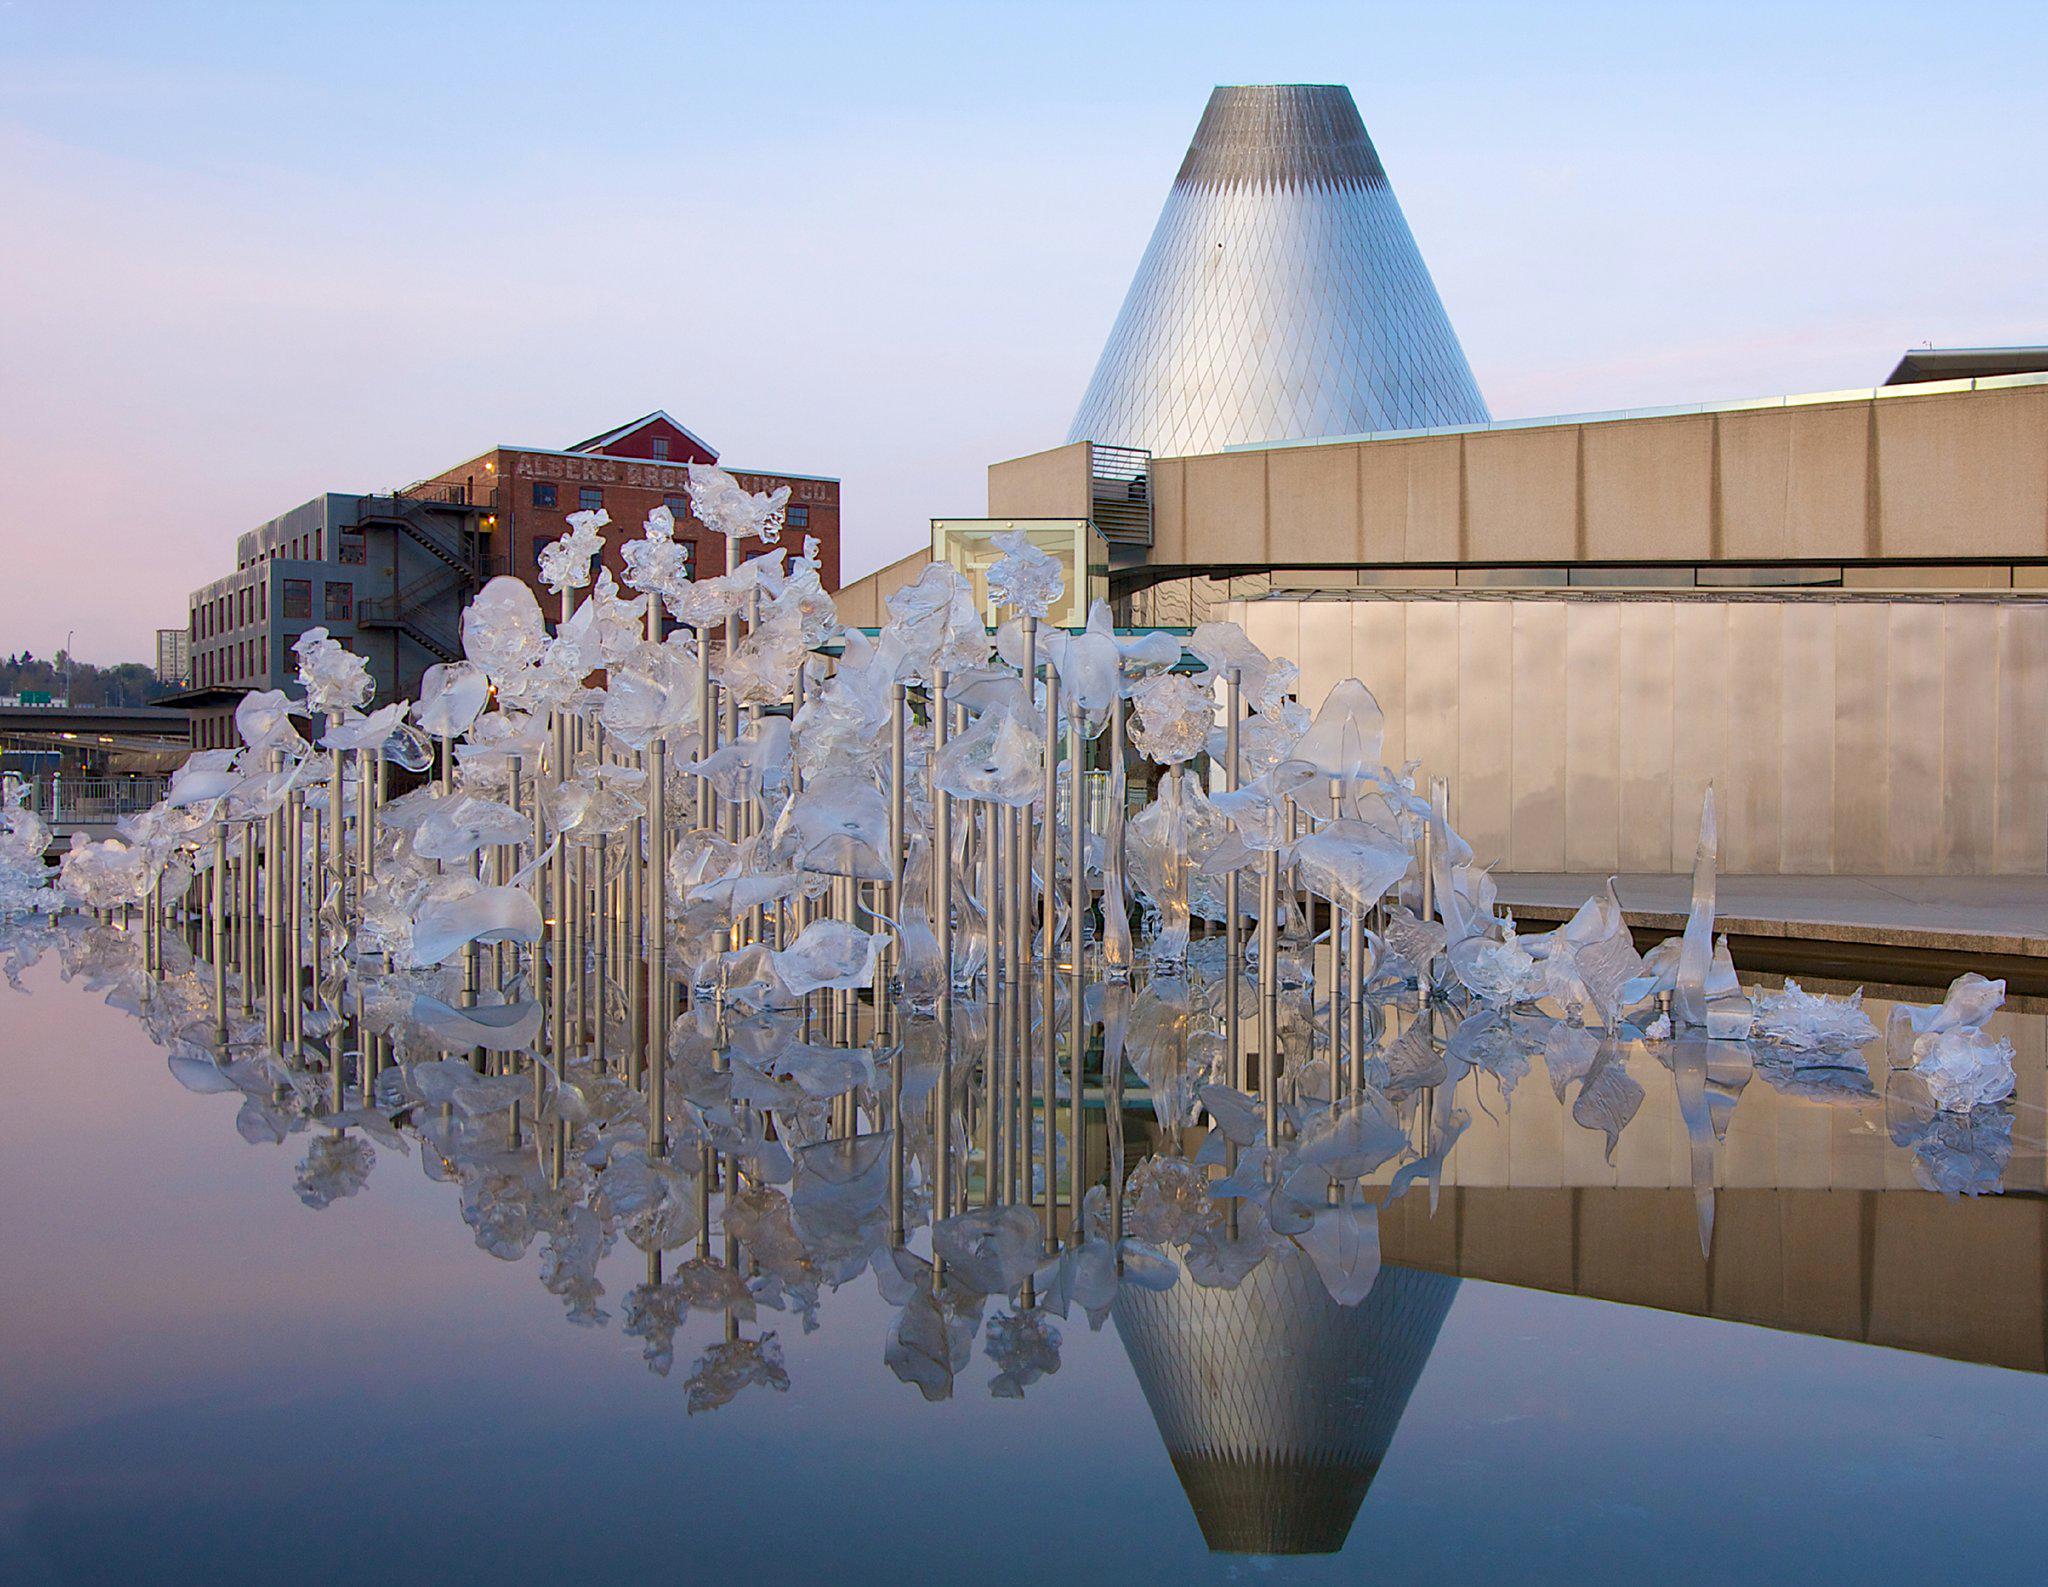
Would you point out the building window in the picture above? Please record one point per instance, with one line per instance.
(679, 505)
(352, 550)
(285, 658)
(689, 558)
(319, 545)
(660, 449)
(590, 497)
(543, 493)
(798, 518)
(262, 600)
(296, 603)
(340, 602)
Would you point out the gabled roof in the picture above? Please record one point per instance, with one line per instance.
(641, 423)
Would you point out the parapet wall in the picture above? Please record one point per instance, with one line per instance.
(1955, 470)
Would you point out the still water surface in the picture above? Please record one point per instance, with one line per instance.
(206, 1379)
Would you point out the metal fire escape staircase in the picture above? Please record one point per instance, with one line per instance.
(443, 526)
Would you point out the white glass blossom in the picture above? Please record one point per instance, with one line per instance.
(334, 678)
(1171, 719)
(565, 563)
(723, 506)
(655, 564)
(502, 629)
(1025, 577)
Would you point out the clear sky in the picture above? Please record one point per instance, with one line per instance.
(250, 253)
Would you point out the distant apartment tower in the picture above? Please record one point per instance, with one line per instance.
(390, 574)
(174, 656)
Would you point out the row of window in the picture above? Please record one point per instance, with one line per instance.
(239, 608)
(591, 497)
(243, 663)
(338, 601)
(236, 609)
(312, 547)
(235, 663)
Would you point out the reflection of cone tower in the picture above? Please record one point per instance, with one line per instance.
(1276, 1404)
(1282, 295)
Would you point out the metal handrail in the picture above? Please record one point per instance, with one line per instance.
(59, 799)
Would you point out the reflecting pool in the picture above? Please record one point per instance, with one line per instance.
(399, 1304)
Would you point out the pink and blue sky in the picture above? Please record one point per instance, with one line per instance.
(254, 252)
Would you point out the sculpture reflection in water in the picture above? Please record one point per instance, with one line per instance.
(1095, 1170)
(783, 953)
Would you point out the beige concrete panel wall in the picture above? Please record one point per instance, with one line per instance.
(1649, 490)
(1862, 731)
(1275, 627)
(860, 603)
(1955, 474)
(1537, 826)
(1408, 494)
(1634, 1249)
(1749, 797)
(1226, 508)
(1436, 497)
(1969, 738)
(2020, 804)
(1699, 718)
(1521, 495)
(1964, 477)
(1054, 484)
(1313, 497)
(1432, 690)
(1169, 517)
(1379, 652)
(1592, 739)
(1806, 734)
(1794, 482)
(1580, 732)
(1647, 631)
(1482, 799)
(1913, 803)
(1947, 1277)
(1385, 508)
(1325, 653)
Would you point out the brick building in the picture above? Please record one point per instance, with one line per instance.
(527, 494)
(389, 575)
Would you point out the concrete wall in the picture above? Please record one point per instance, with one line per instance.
(1844, 733)
(1914, 472)
(1055, 484)
(860, 603)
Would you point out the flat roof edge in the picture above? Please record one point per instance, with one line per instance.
(1678, 410)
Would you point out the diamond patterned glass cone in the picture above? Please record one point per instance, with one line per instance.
(1281, 296)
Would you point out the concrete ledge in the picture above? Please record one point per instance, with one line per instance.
(1995, 916)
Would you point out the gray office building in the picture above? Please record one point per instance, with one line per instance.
(388, 575)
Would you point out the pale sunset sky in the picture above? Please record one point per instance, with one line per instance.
(255, 252)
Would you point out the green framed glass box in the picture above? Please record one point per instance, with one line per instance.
(968, 543)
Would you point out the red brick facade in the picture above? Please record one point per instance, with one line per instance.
(529, 495)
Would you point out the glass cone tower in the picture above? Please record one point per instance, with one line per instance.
(1276, 1404)
(1282, 296)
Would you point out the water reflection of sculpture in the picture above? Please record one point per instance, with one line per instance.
(1281, 1333)
(731, 919)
